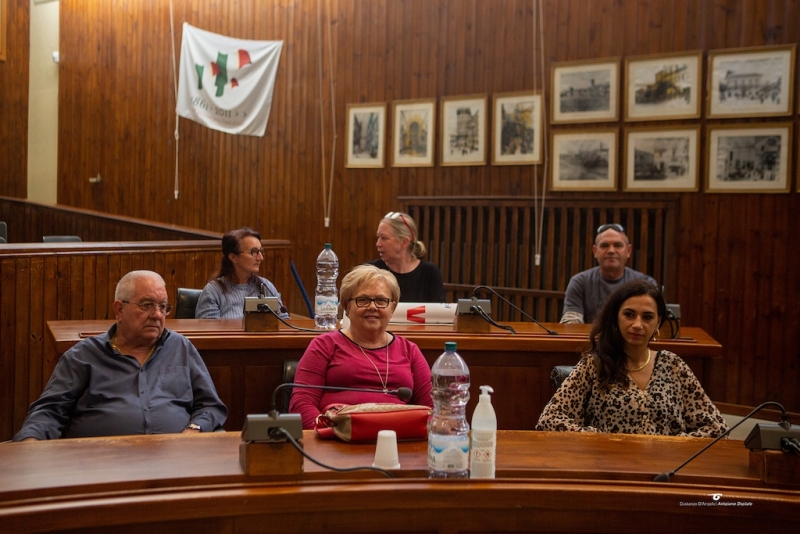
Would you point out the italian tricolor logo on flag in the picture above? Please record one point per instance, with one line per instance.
(219, 70)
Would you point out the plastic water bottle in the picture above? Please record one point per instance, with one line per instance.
(326, 297)
(484, 437)
(448, 430)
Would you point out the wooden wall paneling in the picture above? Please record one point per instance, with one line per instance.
(17, 335)
(729, 311)
(15, 80)
(525, 277)
(749, 316)
(37, 295)
(8, 376)
(761, 362)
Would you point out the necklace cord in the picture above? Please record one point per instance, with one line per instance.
(384, 383)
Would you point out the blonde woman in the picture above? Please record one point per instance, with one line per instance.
(400, 253)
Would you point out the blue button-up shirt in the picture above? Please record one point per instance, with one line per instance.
(96, 391)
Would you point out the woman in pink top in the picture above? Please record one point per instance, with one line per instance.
(363, 355)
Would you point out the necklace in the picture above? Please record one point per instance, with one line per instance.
(115, 347)
(384, 383)
(643, 365)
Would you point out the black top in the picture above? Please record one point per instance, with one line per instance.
(423, 284)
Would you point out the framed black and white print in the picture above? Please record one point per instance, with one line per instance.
(414, 123)
(584, 160)
(749, 158)
(517, 128)
(751, 82)
(365, 135)
(585, 91)
(662, 159)
(661, 87)
(464, 130)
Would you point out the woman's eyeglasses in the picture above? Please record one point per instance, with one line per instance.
(253, 252)
(380, 302)
(611, 226)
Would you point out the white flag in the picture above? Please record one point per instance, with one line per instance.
(225, 83)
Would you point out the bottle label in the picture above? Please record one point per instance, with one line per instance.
(326, 305)
(483, 454)
(448, 453)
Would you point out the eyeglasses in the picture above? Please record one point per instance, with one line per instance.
(148, 306)
(253, 252)
(611, 226)
(380, 302)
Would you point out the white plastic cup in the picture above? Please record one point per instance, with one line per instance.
(386, 450)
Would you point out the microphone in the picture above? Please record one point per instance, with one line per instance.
(262, 291)
(784, 424)
(498, 295)
(272, 426)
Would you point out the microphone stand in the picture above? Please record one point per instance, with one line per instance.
(498, 295)
(666, 477)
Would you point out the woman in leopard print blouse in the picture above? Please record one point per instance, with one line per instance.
(621, 385)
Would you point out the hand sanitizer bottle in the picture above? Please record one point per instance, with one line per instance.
(484, 437)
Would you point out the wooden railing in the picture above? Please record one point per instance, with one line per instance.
(29, 221)
(490, 241)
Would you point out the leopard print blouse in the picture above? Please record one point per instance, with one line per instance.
(673, 403)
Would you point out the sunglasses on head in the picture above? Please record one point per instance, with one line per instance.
(401, 216)
(611, 226)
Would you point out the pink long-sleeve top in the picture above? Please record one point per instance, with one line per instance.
(333, 359)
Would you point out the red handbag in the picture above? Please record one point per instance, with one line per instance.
(362, 422)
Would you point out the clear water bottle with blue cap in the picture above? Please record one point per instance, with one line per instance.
(448, 429)
(326, 297)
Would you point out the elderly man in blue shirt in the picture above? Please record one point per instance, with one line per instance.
(137, 378)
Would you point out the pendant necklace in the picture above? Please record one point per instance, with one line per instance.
(384, 383)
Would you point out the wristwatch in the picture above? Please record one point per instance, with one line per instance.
(194, 426)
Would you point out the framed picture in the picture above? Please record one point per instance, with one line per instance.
(3, 29)
(663, 87)
(517, 128)
(585, 91)
(751, 82)
(413, 133)
(464, 130)
(749, 158)
(365, 135)
(584, 160)
(662, 159)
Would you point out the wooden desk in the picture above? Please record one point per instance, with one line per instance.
(547, 482)
(247, 366)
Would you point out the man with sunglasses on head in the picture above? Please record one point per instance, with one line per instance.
(587, 291)
(137, 378)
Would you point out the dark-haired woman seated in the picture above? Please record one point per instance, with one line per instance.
(237, 278)
(623, 386)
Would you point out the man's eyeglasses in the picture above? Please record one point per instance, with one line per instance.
(611, 226)
(253, 252)
(380, 302)
(148, 306)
